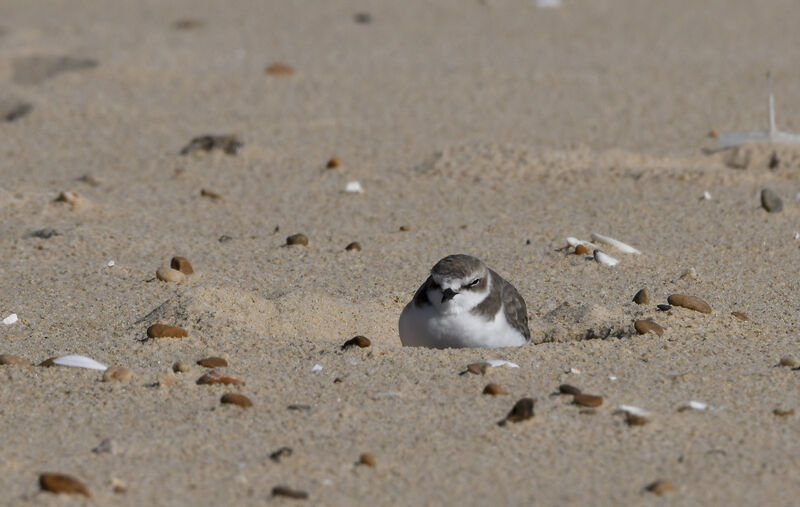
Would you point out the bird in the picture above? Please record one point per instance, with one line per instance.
(463, 304)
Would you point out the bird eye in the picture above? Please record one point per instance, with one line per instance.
(474, 282)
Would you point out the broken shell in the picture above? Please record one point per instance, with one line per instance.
(76, 361)
(182, 264)
(164, 331)
(619, 245)
(587, 400)
(604, 259)
(357, 341)
(494, 389)
(60, 483)
(166, 274)
(690, 302)
(635, 416)
(477, 368)
(646, 326)
(297, 239)
(72, 198)
(118, 374)
(236, 399)
(354, 187)
(215, 377)
(574, 242)
(11, 319)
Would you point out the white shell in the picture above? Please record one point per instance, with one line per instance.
(573, 242)
(619, 245)
(354, 187)
(797, 235)
(707, 195)
(77, 361)
(316, 368)
(496, 363)
(698, 405)
(110, 264)
(605, 259)
(630, 409)
(575, 371)
(612, 378)
(10, 319)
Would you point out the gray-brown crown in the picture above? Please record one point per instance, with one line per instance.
(458, 266)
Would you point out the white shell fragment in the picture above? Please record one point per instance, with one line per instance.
(548, 4)
(111, 264)
(76, 361)
(11, 319)
(604, 259)
(497, 363)
(354, 187)
(797, 235)
(707, 195)
(575, 371)
(698, 405)
(619, 245)
(316, 368)
(573, 242)
(612, 378)
(632, 410)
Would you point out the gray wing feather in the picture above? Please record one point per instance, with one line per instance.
(514, 307)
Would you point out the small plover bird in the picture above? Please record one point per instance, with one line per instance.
(463, 303)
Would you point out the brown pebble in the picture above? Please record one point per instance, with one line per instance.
(166, 274)
(279, 69)
(210, 194)
(405, 228)
(338, 380)
(523, 409)
(236, 399)
(47, 363)
(359, 341)
(188, 24)
(182, 264)
(582, 250)
(12, 360)
(642, 297)
(228, 144)
(213, 362)
(355, 245)
(60, 483)
(647, 326)
(788, 361)
(587, 400)
(660, 487)
(568, 389)
(297, 239)
(117, 374)
(636, 419)
(367, 459)
(713, 134)
(333, 163)
(477, 368)
(740, 316)
(165, 331)
(289, 492)
(494, 389)
(783, 413)
(283, 452)
(690, 302)
(181, 367)
(215, 377)
(72, 198)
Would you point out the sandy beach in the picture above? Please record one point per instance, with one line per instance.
(492, 128)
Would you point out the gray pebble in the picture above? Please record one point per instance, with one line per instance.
(770, 201)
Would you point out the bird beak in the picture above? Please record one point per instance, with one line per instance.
(448, 294)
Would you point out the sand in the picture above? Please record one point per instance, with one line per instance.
(491, 128)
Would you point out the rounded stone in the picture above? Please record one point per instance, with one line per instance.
(60, 483)
(354, 246)
(642, 297)
(587, 400)
(494, 389)
(690, 302)
(165, 331)
(333, 163)
(166, 274)
(213, 362)
(770, 201)
(367, 459)
(297, 239)
(357, 341)
(568, 389)
(236, 399)
(648, 326)
(582, 250)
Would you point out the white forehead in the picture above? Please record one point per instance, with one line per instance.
(451, 282)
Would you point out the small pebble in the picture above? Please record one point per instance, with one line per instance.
(228, 144)
(357, 341)
(165, 331)
(587, 400)
(45, 233)
(333, 163)
(215, 377)
(770, 201)
(788, 361)
(297, 239)
(568, 389)
(11, 319)
(660, 487)
(713, 134)
(210, 194)
(494, 389)
(663, 308)
(181, 367)
(60, 483)
(774, 161)
(117, 374)
(355, 245)
(118, 486)
(363, 18)
(279, 69)
(188, 24)
(690, 302)
(107, 446)
(289, 492)
(283, 452)
(166, 379)
(72, 198)
(405, 228)
(523, 410)
(740, 316)
(582, 250)
(236, 399)
(213, 362)
(642, 297)
(12, 360)
(182, 264)
(477, 368)
(338, 380)
(689, 274)
(47, 363)
(298, 406)
(646, 326)
(367, 459)
(166, 274)
(783, 413)
(224, 238)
